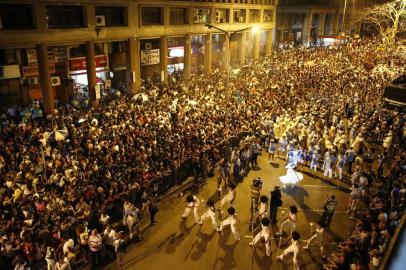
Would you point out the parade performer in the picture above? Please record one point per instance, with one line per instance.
(265, 233)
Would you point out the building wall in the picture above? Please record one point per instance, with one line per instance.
(17, 41)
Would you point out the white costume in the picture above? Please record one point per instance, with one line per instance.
(266, 234)
(232, 221)
(295, 249)
(290, 221)
(192, 206)
(262, 210)
(210, 213)
(229, 197)
(292, 177)
(319, 237)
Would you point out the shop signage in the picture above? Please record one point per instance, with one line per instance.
(33, 71)
(150, 57)
(79, 63)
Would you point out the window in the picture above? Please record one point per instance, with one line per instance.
(151, 16)
(268, 15)
(239, 15)
(179, 16)
(202, 15)
(65, 17)
(15, 17)
(254, 15)
(114, 16)
(222, 15)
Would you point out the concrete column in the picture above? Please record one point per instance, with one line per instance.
(226, 53)
(164, 59)
(243, 42)
(208, 52)
(307, 27)
(269, 42)
(45, 79)
(187, 57)
(256, 44)
(322, 24)
(91, 74)
(133, 65)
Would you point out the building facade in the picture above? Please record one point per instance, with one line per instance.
(48, 47)
(303, 21)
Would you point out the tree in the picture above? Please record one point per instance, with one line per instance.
(388, 18)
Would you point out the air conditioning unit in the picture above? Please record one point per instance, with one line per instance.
(100, 20)
(241, 19)
(55, 81)
(148, 46)
(32, 80)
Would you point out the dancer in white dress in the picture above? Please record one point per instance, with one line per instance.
(292, 177)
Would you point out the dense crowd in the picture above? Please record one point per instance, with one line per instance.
(60, 198)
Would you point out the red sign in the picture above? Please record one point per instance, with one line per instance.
(77, 64)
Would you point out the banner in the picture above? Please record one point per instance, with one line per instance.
(79, 63)
(150, 57)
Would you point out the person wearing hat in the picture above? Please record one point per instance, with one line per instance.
(265, 233)
(276, 201)
(294, 248)
(231, 220)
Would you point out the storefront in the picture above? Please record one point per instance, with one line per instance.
(176, 52)
(57, 67)
(198, 48)
(150, 58)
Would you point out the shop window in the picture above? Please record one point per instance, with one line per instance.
(222, 15)
(254, 16)
(268, 15)
(65, 17)
(113, 16)
(151, 16)
(179, 16)
(16, 17)
(202, 15)
(239, 15)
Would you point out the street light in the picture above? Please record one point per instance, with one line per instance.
(229, 35)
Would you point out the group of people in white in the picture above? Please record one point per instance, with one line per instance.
(260, 218)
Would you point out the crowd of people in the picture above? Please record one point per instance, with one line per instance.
(61, 197)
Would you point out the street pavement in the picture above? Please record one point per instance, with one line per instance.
(177, 244)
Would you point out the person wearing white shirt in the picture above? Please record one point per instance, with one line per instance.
(265, 233)
(318, 236)
(210, 213)
(294, 248)
(232, 221)
(289, 221)
(192, 204)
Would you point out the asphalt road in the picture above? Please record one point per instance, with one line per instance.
(174, 244)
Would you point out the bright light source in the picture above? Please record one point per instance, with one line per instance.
(255, 29)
